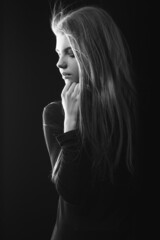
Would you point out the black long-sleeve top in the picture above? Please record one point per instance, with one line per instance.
(84, 212)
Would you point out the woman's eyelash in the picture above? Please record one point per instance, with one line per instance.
(69, 52)
(71, 55)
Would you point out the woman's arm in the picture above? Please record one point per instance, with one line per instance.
(73, 173)
(64, 143)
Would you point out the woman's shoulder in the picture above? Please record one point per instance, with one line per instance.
(52, 106)
(53, 113)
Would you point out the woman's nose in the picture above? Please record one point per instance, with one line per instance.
(61, 63)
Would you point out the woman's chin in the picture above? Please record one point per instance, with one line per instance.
(69, 80)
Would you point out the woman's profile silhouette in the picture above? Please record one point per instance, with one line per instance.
(89, 133)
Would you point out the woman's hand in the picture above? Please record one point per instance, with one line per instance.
(70, 101)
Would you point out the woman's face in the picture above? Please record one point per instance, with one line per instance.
(67, 62)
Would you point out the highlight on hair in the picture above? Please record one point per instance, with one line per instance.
(107, 102)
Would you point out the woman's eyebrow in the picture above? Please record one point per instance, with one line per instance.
(64, 50)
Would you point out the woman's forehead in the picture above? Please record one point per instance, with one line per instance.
(62, 42)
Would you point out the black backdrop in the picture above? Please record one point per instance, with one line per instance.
(30, 81)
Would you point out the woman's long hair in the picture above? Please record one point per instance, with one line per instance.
(107, 99)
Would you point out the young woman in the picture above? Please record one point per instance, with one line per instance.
(89, 133)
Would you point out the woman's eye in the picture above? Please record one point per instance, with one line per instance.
(71, 53)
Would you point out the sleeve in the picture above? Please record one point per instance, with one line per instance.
(74, 172)
(52, 119)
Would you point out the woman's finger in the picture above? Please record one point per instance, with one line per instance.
(78, 96)
(66, 87)
(76, 90)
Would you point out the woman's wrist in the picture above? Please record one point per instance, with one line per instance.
(69, 124)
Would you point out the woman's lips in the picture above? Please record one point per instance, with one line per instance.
(66, 76)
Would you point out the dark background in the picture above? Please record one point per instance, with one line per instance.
(29, 81)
